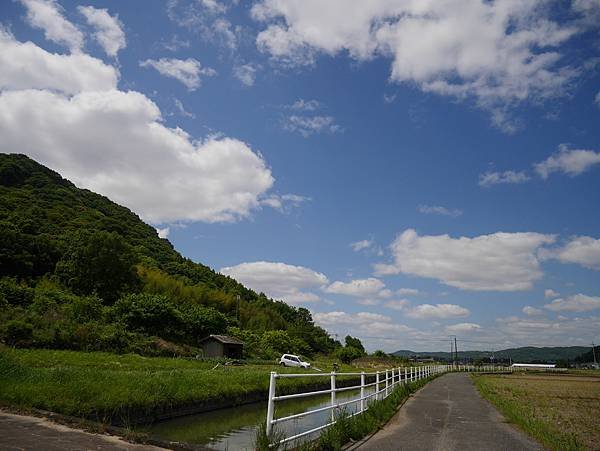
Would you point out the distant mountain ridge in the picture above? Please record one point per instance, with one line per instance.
(527, 354)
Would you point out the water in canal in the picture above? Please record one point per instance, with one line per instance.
(235, 428)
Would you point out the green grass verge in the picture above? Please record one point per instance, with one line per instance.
(121, 389)
(524, 415)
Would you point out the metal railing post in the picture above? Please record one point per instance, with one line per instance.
(377, 385)
(271, 403)
(362, 391)
(333, 396)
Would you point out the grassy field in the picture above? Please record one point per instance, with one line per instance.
(561, 411)
(123, 388)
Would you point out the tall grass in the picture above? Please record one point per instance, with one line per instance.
(121, 389)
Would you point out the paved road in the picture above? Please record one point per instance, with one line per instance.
(449, 414)
(21, 432)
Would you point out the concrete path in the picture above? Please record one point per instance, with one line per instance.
(449, 414)
(21, 432)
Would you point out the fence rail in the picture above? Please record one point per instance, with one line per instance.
(384, 383)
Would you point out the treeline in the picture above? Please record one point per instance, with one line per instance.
(78, 271)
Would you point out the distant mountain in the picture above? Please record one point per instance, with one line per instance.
(528, 354)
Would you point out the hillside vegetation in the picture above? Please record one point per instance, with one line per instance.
(78, 271)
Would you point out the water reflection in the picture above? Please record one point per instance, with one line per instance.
(235, 428)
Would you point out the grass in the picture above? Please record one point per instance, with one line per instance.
(121, 389)
(560, 411)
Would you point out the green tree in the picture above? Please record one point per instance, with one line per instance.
(352, 342)
(99, 262)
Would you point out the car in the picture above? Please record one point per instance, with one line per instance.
(293, 360)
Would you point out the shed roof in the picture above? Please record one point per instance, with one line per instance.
(225, 339)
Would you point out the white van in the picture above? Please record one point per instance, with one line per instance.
(293, 360)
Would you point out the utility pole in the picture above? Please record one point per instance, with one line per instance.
(455, 348)
(594, 354)
(237, 309)
(451, 357)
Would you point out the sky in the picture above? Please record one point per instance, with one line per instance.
(406, 169)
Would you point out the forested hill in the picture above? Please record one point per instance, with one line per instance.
(73, 259)
(527, 354)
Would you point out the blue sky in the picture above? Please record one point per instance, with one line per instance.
(408, 171)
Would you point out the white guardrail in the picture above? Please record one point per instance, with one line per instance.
(384, 384)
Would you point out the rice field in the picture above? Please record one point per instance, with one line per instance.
(561, 411)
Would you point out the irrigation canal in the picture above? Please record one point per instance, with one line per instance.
(235, 427)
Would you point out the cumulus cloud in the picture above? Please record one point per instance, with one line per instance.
(497, 53)
(532, 311)
(47, 15)
(77, 122)
(550, 293)
(365, 324)
(576, 303)
(359, 288)
(581, 250)
(438, 210)
(182, 111)
(463, 328)
(437, 311)
(568, 161)
(186, 71)
(279, 280)
(507, 177)
(496, 262)
(305, 105)
(164, 232)
(27, 66)
(285, 202)
(246, 74)
(109, 30)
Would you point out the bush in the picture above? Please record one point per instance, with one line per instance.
(151, 314)
(347, 354)
(18, 333)
(14, 293)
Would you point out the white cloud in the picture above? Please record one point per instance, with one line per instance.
(550, 293)
(507, 177)
(438, 210)
(279, 280)
(186, 71)
(582, 250)
(207, 18)
(47, 15)
(115, 143)
(361, 324)
(597, 99)
(496, 262)
(164, 232)
(305, 105)
(246, 74)
(27, 66)
(463, 328)
(109, 30)
(181, 109)
(407, 292)
(437, 311)
(496, 52)
(361, 245)
(575, 303)
(309, 125)
(401, 304)
(364, 288)
(285, 202)
(568, 161)
(369, 302)
(532, 311)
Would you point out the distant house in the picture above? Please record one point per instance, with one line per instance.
(222, 346)
(533, 365)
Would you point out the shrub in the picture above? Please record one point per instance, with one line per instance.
(15, 293)
(18, 333)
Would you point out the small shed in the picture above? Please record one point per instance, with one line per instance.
(222, 346)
